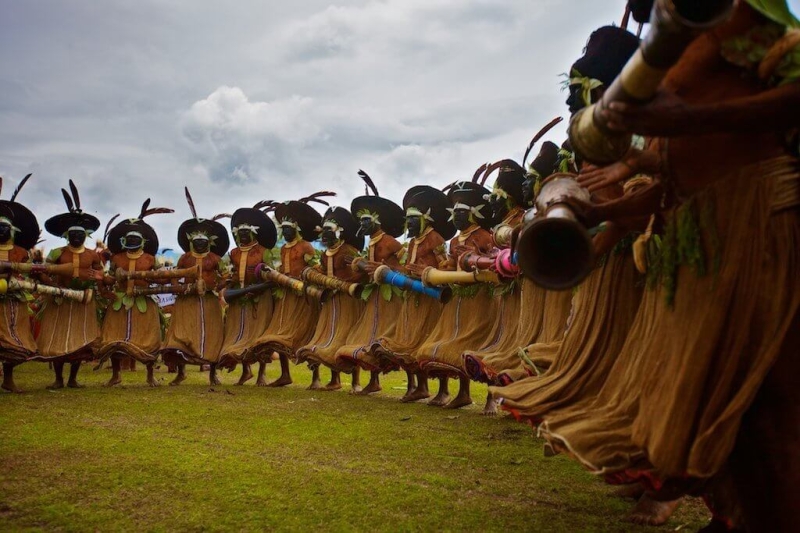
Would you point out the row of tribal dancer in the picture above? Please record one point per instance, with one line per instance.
(671, 366)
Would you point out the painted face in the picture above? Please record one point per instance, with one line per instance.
(289, 233)
(499, 205)
(368, 226)
(200, 245)
(5, 233)
(461, 219)
(575, 99)
(245, 236)
(414, 225)
(76, 237)
(133, 242)
(527, 190)
(329, 237)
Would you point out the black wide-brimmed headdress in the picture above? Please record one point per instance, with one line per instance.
(257, 221)
(136, 225)
(346, 226)
(210, 228)
(387, 213)
(59, 225)
(24, 225)
(301, 215)
(431, 204)
(472, 196)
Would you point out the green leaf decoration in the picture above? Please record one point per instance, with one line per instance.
(54, 254)
(127, 301)
(117, 305)
(386, 292)
(141, 304)
(367, 292)
(397, 290)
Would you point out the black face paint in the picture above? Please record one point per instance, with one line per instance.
(133, 242)
(461, 219)
(200, 245)
(368, 226)
(527, 190)
(245, 236)
(414, 226)
(329, 238)
(499, 206)
(5, 233)
(76, 237)
(289, 233)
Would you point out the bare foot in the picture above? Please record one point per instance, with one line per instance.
(651, 512)
(180, 378)
(247, 375)
(356, 390)
(631, 491)
(406, 397)
(315, 385)
(261, 382)
(57, 384)
(459, 402)
(10, 387)
(372, 389)
(152, 382)
(490, 409)
(332, 387)
(115, 380)
(415, 396)
(440, 400)
(72, 384)
(281, 382)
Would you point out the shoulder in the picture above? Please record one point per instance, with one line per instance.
(434, 239)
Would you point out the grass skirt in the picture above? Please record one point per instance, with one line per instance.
(17, 344)
(128, 332)
(338, 317)
(294, 318)
(674, 402)
(604, 309)
(195, 331)
(417, 317)
(68, 331)
(245, 323)
(465, 324)
(379, 320)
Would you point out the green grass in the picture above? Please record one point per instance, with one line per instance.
(249, 458)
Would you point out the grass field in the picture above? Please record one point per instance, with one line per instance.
(249, 458)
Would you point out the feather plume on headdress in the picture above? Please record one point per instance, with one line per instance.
(368, 183)
(220, 216)
(108, 227)
(541, 133)
(478, 172)
(316, 197)
(19, 187)
(191, 203)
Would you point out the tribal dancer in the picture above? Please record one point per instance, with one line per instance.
(470, 315)
(717, 363)
(427, 226)
(341, 313)
(505, 359)
(132, 322)
(507, 203)
(195, 328)
(248, 316)
(295, 315)
(19, 232)
(382, 220)
(69, 329)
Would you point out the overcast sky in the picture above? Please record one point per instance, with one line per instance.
(252, 99)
